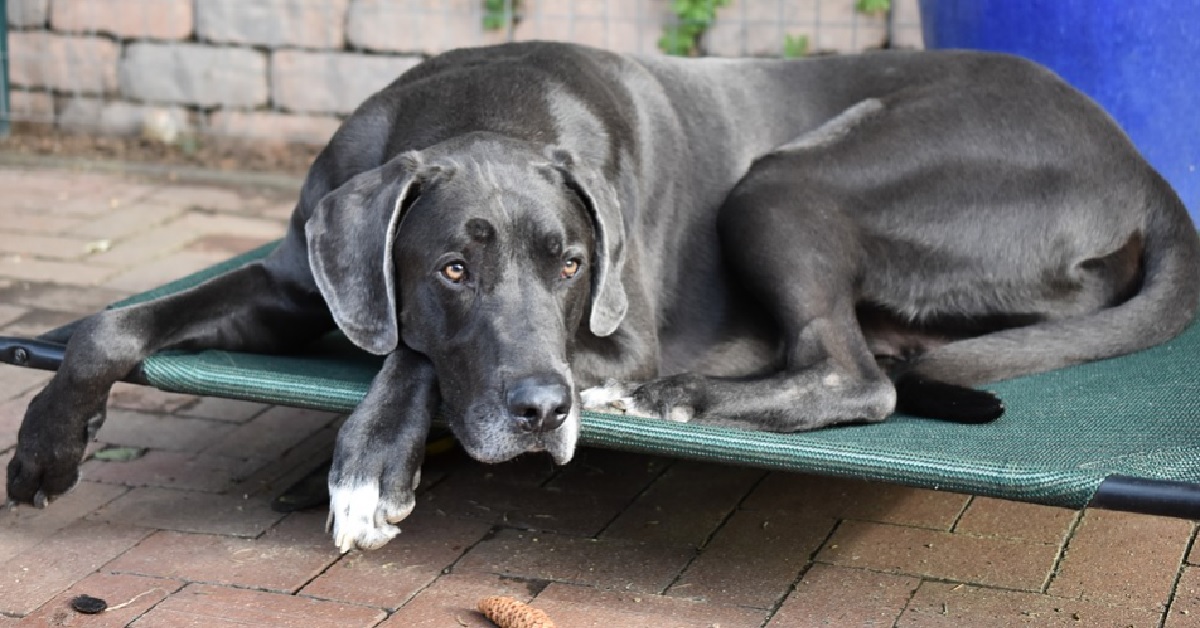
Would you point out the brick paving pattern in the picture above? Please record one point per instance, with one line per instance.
(184, 534)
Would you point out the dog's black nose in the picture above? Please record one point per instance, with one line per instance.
(539, 403)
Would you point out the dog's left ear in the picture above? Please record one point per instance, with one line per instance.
(350, 237)
(609, 302)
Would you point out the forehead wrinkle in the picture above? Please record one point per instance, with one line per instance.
(520, 205)
(505, 214)
(524, 230)
(489, 175)
(498, 180)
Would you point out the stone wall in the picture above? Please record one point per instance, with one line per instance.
(291, 69)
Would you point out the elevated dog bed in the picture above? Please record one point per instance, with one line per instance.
(1121, 433)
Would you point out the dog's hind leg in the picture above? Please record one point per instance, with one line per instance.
(253, 308)
(794, 246)
(798, 258)
(823, 391)
(1163, 304)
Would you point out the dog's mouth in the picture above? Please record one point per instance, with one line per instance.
(492, 437)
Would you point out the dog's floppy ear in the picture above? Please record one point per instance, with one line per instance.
(609, 303)
(350, 238)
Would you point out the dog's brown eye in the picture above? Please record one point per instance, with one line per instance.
(570, 267)
(454, 272)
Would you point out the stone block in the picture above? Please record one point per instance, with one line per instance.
(625, 26)
(300, 23)
(62, 62)
(154, 19)
(841, 28)
(27, 13)
(31, 106)
(80, 115)
(907, 24)
(865, 34)
(330, 82)
(425, 26)
(284, 127)
(760, 27)
(194, 74)
(94, 115)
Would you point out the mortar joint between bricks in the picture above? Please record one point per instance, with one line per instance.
(1063, 546)
(1183, 565)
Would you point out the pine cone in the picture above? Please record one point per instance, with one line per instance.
(506, 612)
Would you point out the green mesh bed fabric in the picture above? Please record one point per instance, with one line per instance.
(1062, 434)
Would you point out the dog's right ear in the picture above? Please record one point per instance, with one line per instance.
(350, 238)
(609, 302)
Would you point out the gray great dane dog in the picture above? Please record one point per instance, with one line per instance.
(515, 226)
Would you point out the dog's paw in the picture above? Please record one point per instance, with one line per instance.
(672, 398)
(607, 398)
(36, 484)
(677, 398)
(363, 516)
(946, 402)
(614, 398)
(49, 452)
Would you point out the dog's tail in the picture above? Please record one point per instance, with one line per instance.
(1162, 308)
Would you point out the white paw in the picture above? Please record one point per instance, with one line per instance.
(615, 397)
(630, 406)
(604, 398)
(360, 517)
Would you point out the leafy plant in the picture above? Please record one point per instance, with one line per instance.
(795, 46)
(693, 19)
(873, 7)
(498, 13)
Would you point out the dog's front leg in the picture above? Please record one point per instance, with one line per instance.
(377, 459)
(255, 308)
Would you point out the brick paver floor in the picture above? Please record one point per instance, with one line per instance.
(183, 535)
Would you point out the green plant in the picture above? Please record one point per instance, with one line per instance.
(873, 7)
(189, 143)
(795, 46)
(498, 13)
(693, 18)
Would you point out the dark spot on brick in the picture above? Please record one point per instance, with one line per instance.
(88, 604)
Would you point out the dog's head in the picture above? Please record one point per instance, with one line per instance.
(486, 255)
